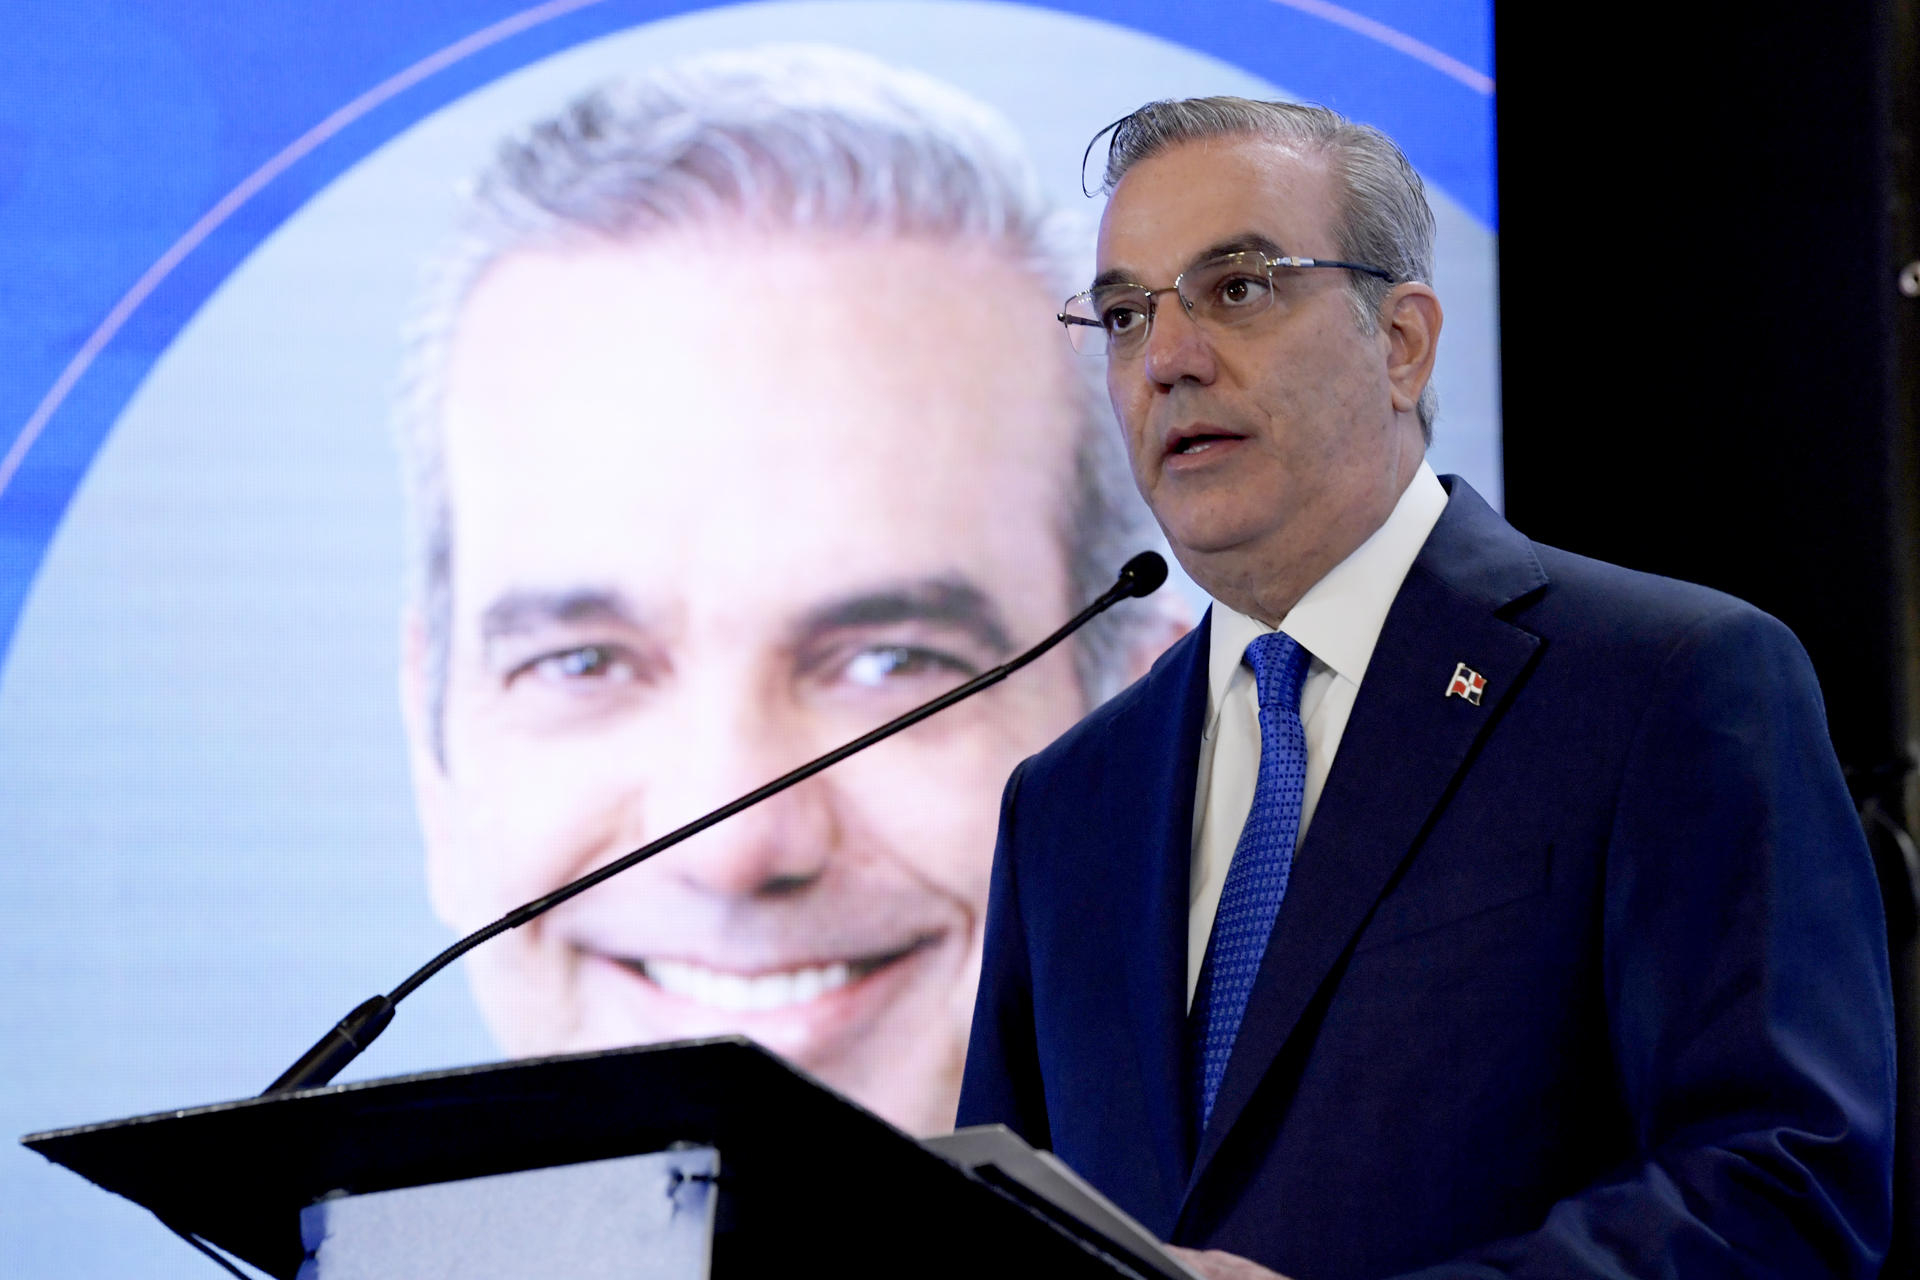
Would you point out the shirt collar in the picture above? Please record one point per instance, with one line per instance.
(1339, 618)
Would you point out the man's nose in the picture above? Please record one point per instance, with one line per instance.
(776, 848)
(1177, 348)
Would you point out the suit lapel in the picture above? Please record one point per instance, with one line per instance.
(1156, 952)
(1403, 746)
(1146, 800)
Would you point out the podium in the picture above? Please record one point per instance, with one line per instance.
(796, 1174)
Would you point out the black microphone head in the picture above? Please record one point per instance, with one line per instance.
(1143, 574)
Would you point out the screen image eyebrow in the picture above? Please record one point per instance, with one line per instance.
(520, 611)
(950, 602)
(1244, 243)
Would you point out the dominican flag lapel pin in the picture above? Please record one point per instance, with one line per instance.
(1466, 683)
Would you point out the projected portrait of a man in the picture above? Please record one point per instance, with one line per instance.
(740, 423)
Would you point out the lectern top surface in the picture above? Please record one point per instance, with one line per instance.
(796, 1157)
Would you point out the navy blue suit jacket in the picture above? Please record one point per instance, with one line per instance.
(1587, 980)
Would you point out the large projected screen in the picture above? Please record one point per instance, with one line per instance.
(423, 482)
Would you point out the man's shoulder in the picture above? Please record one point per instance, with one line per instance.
(1573, 600)
(1593, 605)
(1148, 706)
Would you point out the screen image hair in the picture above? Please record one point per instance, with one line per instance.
(782, 138)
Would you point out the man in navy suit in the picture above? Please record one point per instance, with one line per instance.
(1566, 954)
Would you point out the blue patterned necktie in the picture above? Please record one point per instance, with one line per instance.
(1257, 878)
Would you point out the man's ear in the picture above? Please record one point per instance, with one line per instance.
(1411, 323)
(432, 789)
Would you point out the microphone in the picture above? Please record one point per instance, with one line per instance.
(329, 1055)
(1141, 575)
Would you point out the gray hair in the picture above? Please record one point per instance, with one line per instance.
(1384, 219)
(788, 138)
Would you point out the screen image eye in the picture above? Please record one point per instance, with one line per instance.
(1120, 320)
(590, 662)
(871, 668)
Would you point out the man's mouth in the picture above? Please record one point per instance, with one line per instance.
(1198, 442)
(759, 992)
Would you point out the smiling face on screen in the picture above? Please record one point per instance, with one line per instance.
(713, 513)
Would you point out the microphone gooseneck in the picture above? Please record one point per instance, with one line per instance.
(332, 1052)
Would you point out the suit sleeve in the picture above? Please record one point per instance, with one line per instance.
(1002, 1083)
(1747, 989)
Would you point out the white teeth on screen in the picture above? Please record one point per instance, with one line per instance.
(738, 994)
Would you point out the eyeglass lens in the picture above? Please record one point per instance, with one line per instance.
(1222, 291)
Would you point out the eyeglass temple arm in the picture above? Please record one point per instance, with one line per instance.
(1361, 267)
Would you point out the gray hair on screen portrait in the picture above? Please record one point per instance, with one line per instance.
(786, 138)
(1384, 219)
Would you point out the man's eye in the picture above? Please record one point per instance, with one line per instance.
(874, 667)
(1122, 319)
(1240, 291)
(589, 662)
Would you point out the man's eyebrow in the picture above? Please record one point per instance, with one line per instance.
(1246, 242)
(949, 602)
(520, 611)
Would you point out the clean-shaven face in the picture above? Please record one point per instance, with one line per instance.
(1275, 443)
(722, 502)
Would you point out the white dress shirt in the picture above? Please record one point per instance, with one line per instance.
(1338, 622)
